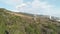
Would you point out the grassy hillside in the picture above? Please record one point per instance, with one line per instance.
(12, 23)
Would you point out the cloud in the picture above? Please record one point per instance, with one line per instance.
(36, 7)
(21, 6)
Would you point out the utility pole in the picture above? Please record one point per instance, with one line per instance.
(35, 16)
(50, 17)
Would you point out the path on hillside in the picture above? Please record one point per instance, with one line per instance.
(19, 15)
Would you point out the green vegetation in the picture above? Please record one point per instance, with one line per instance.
(13, 24)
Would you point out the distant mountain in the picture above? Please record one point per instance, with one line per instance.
(23, 23)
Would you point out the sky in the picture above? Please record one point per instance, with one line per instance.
(45, 7)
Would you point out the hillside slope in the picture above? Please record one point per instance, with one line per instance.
(13, 23)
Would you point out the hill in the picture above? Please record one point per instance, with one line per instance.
(18, 23)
